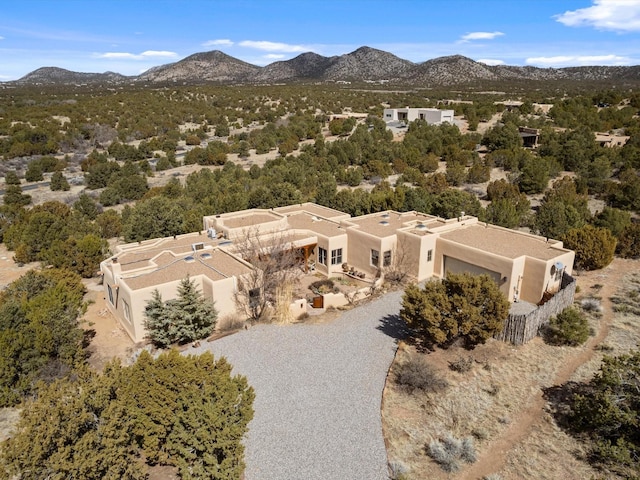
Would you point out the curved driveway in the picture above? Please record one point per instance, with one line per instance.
(318, 392)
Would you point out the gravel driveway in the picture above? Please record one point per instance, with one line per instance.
(318, 393)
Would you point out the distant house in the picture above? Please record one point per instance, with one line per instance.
(529, 136)
(609, 140)
(332, 243)
(433, 116)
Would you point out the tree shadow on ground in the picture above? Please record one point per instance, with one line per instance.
(394, 327)
(560, 398)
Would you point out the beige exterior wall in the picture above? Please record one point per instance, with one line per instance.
(503, 266)
(360, 254)
(413, 254)
(331, 244)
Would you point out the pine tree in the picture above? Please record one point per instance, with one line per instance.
(192, 316)
(187, 318)
(157, 322)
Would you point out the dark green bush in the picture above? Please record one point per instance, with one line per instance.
(569, 327)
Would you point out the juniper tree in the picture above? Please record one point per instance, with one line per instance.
(186, 412)
(466, 306)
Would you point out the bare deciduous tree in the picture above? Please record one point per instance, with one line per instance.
(397, 271)
(277, 264)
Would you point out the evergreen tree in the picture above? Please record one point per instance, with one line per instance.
(187, 318)
(594, 246)
(470, 307)
(182, 411)
(59, 182)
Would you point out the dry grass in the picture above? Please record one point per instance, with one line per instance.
(491, 399)
(480, 403)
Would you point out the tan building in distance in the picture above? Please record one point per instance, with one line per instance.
(525, 266)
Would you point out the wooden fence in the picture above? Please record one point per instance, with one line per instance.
(519, 329)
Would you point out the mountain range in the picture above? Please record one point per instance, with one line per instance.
(362, 65)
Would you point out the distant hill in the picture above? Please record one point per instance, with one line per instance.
(55, 76)
(206, 67)
(363, 64)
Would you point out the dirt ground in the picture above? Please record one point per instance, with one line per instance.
(500, 401)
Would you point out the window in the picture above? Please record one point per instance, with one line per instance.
(322, 255)
(336, 256)
(429, 255)
(375, 258)
(386, 258)
(110, 294)
(127, 311)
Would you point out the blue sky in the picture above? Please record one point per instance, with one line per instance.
(131, 36)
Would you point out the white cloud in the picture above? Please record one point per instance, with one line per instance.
(273, 46)
(616, 15)
(490, 61)
(158, 53)
(137, 56)
(469, 37)
(579, 60)
(274, 56)
(219, 42)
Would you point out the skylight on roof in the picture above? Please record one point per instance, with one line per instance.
(189, 259)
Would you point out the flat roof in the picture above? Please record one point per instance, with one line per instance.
(248, 218)
(503, 242)
(213, 264)
(387, 223)
(313, 209)
(133, 255)
(304, 221)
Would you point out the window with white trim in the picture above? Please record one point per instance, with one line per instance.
(110, 294)
(386, 258)
(375, 258)
(127, 310)
(429, 255)
(322, 255)
(336, 256)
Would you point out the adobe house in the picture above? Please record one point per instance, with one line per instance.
(131, 275)
(526, 267)
(433, 116)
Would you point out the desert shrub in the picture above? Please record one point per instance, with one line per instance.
(398, 471)
(417, 374)
(569, 327)
(461, 364)
(449, 452)
(629, 241)
(466, 306)
(323, 286)
(591, 304)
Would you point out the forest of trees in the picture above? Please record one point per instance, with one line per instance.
(116, 140)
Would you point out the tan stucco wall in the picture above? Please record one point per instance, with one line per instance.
(221, 292)
(503, 266)
(361, 244)
(329, 244)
